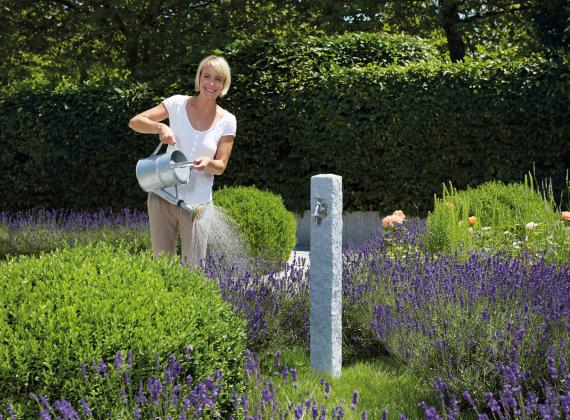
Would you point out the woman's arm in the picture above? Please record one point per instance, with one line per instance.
(149, 122)
(217, 165)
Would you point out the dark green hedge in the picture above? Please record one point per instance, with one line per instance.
(395, 133)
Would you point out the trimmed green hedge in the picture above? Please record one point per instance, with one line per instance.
(268, 226)
(87, 303)
(394, 133)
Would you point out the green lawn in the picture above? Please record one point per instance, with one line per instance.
(382, 383)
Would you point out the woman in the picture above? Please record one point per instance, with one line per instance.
(205, 133)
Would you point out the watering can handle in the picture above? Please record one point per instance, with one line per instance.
(157, 149)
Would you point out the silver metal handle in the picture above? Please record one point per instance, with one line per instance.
(182, 165)
(157, 149)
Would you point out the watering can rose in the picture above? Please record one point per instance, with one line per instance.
(395, 218)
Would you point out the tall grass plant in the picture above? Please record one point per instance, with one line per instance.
(494, 217)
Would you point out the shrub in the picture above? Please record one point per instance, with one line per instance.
(494, 217)
(460, 322)
(263, 218)
(85, 304)
(475, 121)
(35, 231)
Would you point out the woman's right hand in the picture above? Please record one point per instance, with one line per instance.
(166, 135)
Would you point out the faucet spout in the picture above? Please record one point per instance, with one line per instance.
(321, 210)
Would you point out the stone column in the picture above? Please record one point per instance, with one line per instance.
(326, 274)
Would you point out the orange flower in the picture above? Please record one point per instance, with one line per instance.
(472, 220)
(398, 216)
(395, 218)
(565, 215)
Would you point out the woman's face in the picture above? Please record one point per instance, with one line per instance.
(211, 83)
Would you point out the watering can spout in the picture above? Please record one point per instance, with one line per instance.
(194, 211)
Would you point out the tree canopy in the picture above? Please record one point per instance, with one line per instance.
(54, 42)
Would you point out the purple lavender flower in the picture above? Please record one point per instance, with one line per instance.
(294, 377)
(299, 410)
(189, 380)
(101, 368)
(155, 388)
(119, 360)
(124, 396)
(127, 379)
(492, 403)
(485, 317)
(46, 404)
(429, 411)
(129, 359)
(552, 368)
(439, 385)
(85, 407)
(277, 362)
(10, 411)
(84, 371)
(66, 410)
(354, 400)
(141, 399)
(315, 411)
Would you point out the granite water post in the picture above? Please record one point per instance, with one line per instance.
(326, 274)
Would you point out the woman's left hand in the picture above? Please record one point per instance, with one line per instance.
(201, 163)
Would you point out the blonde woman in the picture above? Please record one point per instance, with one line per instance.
(205, 133)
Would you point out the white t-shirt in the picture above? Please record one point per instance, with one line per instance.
(194, 143)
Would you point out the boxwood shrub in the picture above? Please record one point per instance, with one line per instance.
(87, 303)
(262, 217)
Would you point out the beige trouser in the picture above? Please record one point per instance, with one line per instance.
(166, 221)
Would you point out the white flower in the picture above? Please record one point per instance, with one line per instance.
(531, 225)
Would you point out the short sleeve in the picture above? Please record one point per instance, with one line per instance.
(173, 103)
(230, 126)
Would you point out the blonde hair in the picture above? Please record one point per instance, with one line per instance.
(220, 66)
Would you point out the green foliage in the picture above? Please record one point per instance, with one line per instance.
(406, 128)
(35, 232)
(497, 217)
(262, 217)
(87, 303)
(382, 384)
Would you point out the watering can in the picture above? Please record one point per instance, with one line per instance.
(158, 172)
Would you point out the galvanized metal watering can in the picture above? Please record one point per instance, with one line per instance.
(158, 172)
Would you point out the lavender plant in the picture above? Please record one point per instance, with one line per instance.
(277, 395)
(167, 393)
(513, 401)
(35, 231)
(460, 321)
